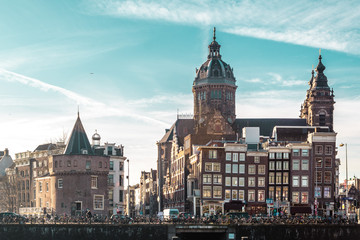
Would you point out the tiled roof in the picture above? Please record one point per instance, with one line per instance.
(47, 146)
(78, 141)
(266, 125)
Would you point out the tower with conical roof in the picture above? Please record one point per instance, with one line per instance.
(318, 106)
(78, 142)
(214, 88)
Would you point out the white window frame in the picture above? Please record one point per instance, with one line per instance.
(101, 202)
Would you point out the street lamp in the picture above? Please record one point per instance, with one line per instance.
(128, 189)
(346, 180)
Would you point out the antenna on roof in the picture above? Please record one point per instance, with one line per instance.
(214, 33)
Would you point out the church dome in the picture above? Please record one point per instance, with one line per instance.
(96, 136)
(214, 70)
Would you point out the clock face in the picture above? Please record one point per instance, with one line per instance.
(230, 120)
(201, 120)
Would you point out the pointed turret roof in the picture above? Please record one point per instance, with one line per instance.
(78, 142)
(320, 81)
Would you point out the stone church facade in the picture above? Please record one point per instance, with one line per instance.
(216, 162)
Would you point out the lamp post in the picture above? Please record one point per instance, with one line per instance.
(316, 188)
(346, 180)
(128, 189)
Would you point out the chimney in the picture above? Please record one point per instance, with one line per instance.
(6, 152)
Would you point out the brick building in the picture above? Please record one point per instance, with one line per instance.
(216, 162)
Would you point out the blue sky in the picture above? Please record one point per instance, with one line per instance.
(129, 65)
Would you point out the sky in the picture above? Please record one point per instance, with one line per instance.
(129, 67)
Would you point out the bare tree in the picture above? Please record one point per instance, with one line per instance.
(8, 193)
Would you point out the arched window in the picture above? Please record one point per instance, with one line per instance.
(216, 73)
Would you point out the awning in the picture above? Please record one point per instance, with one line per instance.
(300, 209)
(234, 205)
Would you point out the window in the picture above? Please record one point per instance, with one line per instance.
(328, 150)
(235, 157)
(40, 186)
(279, 155)
(261, 181)
(227, 193)
(318, 177)
(216, 167)
(252, 169)
(278, 178)
(251, 196)
(207, 191)
(286, 165)
(295, 197)
(318, 149)
(271, 178)
(241, 195)
(234, 168)
(285, 178)
(75, 163)
(328, 163)
(271, 192)
(242, 168)
(261, 169)
(327, 192)
(111, 166)
(278, 194)
(296, 152)
(295, 181)
(110, 180)
(111, 195)
(100, 164)
(40, 202)
(56, 164)
(94, 181)
(304, 181)
(98, 202)
(296, 165)
(234, 195)
(217, 179)
(251, 182)
(241, 182)
(228, 168)
(208, 167)
(271, 165)
(234, 181)
(271, 155)
(285, 155)
(88, 165)
(121, 166)
(285, 193)
(60, 163)
(304, 152)
(47, 187)
(227, 181)
(217, 192)
(318, 192)
(242, 157)
(207, 178)
(327, 177)
(318, 162)
(121, 195)
(60, 183)
(212, 154)
(261, 196)
(305, 165)
(304, 197)
(69, 163)
(278, 165)
(256, 159)
(228, 156)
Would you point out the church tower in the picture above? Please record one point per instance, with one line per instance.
(214, 89)
(318, 107)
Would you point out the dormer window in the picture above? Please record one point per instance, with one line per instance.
(84, 151)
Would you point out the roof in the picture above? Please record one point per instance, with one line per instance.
(181, 127)
(78, 141)
(47, 146)
(266, 125)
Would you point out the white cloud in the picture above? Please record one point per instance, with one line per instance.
(332, 25)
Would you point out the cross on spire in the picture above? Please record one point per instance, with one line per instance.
(214, 37)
